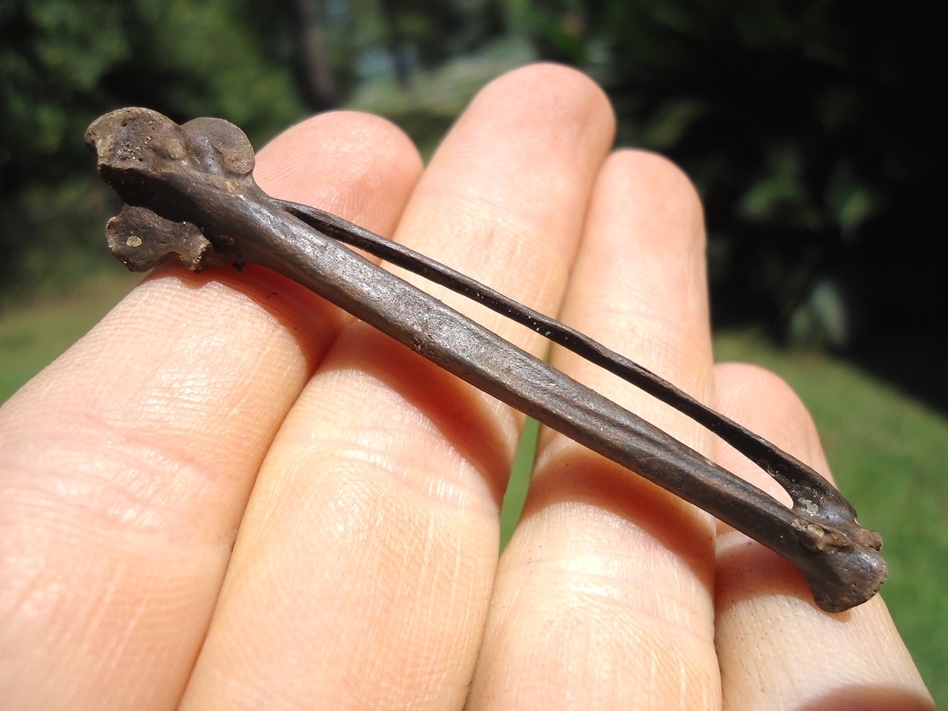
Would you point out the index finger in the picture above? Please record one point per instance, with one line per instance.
(126, 465)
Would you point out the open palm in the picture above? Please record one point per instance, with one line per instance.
(230, 494)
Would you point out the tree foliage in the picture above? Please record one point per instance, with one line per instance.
(63, 63)
(812, 130)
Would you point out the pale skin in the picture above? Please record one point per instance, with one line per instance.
(231, 495)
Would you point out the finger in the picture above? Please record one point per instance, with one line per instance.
(603, 594)
(126, 465)
(369, 546)
(776, 648)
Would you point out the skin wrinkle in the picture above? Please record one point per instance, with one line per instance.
(373, 455)
(628, 575)
(130, 458)
(117, 506)
(391, 453)
(410, 384)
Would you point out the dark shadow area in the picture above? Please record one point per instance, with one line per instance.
(910, 359)
(913, 362)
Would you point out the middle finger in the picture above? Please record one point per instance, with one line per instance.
(369, 546)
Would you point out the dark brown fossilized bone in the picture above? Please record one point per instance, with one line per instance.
(190, 197)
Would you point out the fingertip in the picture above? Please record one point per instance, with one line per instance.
(768, 405)
(372, 162)
(665, 201)
(534, 82)
(544, 104)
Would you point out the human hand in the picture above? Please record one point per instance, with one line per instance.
(230, 494)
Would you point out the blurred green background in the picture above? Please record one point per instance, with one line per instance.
(812, 130)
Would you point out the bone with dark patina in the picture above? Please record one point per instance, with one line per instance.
(190, 198)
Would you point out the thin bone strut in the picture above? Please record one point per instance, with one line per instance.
(190, 197)
(798, 479)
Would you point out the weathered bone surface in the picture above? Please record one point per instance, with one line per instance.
(190, 198)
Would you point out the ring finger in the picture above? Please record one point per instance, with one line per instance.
(607, 580)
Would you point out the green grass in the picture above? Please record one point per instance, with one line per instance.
(887, 451)
(32, 336)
